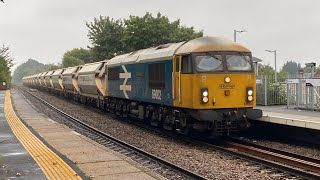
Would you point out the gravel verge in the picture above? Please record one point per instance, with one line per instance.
(211, 164)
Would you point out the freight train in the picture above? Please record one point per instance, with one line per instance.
(206, 85)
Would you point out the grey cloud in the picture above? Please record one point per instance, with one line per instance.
(45, 29)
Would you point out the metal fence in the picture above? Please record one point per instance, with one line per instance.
(295, 92)
(270, 91)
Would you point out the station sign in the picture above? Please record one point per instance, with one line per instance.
(292, 81)
(258, 81)
(312, 82)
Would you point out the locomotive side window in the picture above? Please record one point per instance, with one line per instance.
(177, 63)
(156, 75)
(205, 63)
(186, 65)
(113, 73)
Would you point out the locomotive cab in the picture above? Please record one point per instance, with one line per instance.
(215, 85)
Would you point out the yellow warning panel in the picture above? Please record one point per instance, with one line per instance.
(50, 163)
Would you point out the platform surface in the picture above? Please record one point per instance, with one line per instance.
(15, 161)
(95, 160)
(290, 116)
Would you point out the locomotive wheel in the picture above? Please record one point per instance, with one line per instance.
(168, 122)
(154, 120)
(182, 125)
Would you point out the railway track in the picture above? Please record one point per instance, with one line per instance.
(282, 164)
(156, 164)
(294, 164)
(297, 160)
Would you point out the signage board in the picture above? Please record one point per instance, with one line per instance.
(312, 82)
(292, 81)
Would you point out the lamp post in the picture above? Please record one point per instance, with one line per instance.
(275, 64)
(235, 34)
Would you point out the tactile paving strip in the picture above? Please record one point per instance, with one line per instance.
(50, 163)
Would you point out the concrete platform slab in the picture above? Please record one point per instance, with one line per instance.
(15, 161)
(102, 169)
(94, 157)
(291, 117)
(96, 161)
(127, 176)
(81, 150)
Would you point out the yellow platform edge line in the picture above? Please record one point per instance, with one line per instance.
(50, 163)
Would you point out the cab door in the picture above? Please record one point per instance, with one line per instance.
(176, 80)
(182, 85)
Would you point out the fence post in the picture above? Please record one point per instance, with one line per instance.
(299, 92)
(288, 96)
(265, 91)
(312, 97)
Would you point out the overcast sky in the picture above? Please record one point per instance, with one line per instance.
(45, 29)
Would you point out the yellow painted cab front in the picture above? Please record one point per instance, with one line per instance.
(214, 80)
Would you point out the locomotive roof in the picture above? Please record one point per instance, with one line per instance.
(162, 52)
(207, 44)
(166, 51)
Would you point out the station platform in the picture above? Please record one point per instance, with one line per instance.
(291, 117)
(90, 159)
(15, 161)
(22, 154)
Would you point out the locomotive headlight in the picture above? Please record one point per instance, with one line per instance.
(227, 79)
(204, 95)
(249, 92)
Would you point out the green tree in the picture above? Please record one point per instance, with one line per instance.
(54, 66)
(5, 53)
(6, 62)
(184, 33)
(28, 68)
(148, 31)
(266, 70)
(111, 37)
(76, 56)
(4, 71)
(283, 74)
(291, 67)
(105, 35)
(69, 61)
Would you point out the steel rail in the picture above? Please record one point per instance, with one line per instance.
(278, 157)
(173, 166)
(265, 162)
(243, 155)
(278, 151)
